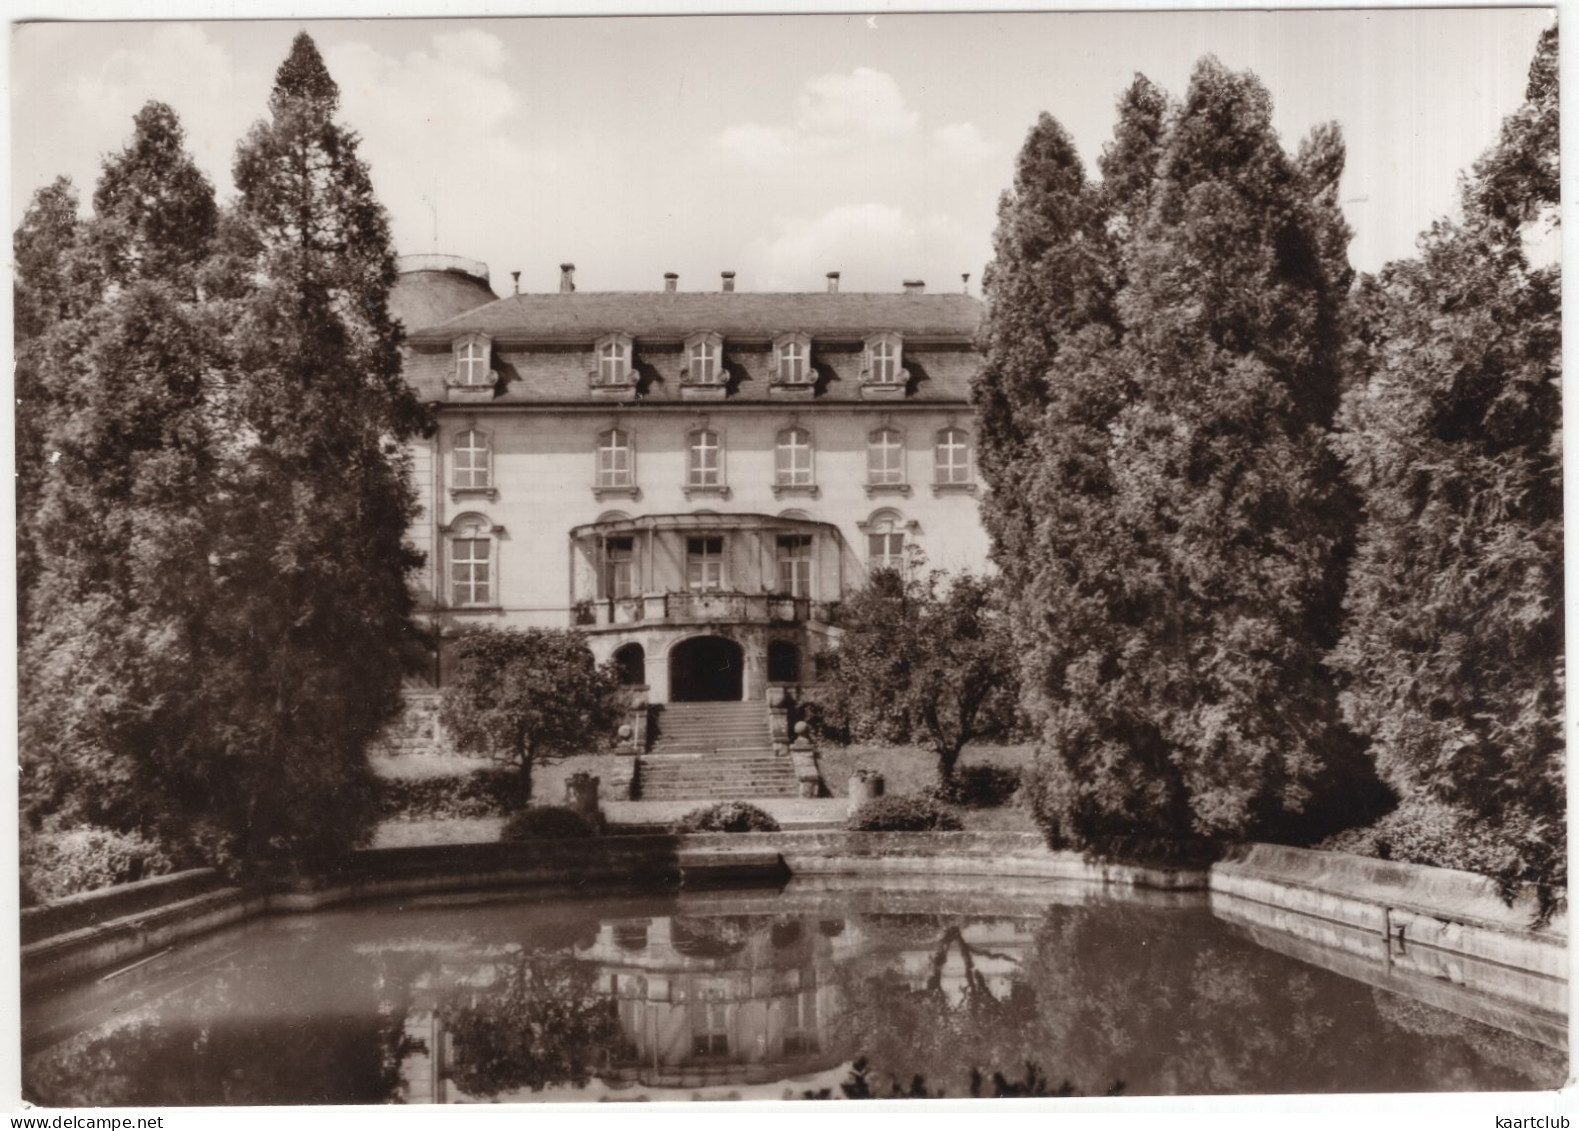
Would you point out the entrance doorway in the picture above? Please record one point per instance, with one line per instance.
(706, 669)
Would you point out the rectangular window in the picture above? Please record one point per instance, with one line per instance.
(471, 460)
(619, 568)
(793, 466)
(885, 458)
(704, 564)
(614, 460)
(953, 457)
(800, 1023)
(710, 1028)
(886, 551)
(706, 467)
(794, 560)
(469, 570)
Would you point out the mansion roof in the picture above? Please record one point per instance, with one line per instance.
(671, 316)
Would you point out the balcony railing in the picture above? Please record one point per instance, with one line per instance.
(699, 606)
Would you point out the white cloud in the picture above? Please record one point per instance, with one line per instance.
(961, 144)
(446, 134)
(179, 65)
(862, 104)
(803, 248)
(834, 113)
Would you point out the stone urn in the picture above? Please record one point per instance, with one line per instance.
(581, 794)
(864, 785)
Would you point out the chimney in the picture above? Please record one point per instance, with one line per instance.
(729, 281)
(670, 282)
(914, 286)
(567, 278)
(515, 277)
(833, 282)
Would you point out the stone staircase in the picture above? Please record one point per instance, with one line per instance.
(714, 751)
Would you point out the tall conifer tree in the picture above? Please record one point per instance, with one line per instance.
(126, 367)
(1452, 653)
(312, 563)
(1191, 524)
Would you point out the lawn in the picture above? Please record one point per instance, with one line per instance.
(910, 769)
(905, 770)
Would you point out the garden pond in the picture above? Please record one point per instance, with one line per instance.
(828, 988)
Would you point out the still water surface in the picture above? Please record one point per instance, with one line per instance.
(807, 993)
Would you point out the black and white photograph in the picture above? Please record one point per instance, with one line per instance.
(929, 556)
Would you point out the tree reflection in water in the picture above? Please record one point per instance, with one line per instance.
(540, 1022)
(1062, 1000)
(1165, 1004)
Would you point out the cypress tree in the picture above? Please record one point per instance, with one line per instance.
(47, 288)
(125, 370)
(1192, 521)
(1049, 279)
(1452, 653)
(311, 562)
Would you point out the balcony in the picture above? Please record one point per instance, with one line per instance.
(700, 608)
(707, 567)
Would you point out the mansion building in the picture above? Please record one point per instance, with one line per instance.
(693, 479)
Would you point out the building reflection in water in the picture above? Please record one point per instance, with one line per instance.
(706, 1001)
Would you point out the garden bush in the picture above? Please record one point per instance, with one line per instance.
(61, 863)
(728, 817)
(1423, 831)
(919, 814)
(977, 787)
(546, 822)
(481, 793)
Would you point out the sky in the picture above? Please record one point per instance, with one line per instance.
(780, 147)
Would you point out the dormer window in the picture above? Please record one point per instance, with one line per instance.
(614, 360)
(472, 377)
(471, 364)
(701, 362)
(702, 372)
(792, 360)
(883, 360)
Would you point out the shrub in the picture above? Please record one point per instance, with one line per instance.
(918, 814)
(728, 817)
(546, 822)
(977, 787)
(58, 864)
(481, 793)
(1423, 831)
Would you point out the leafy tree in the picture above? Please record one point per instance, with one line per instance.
(524, 694)
(1452, 648)
(926, 659)
(541, 1022)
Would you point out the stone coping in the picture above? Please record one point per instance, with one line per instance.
(1441, 893)
(96, 930)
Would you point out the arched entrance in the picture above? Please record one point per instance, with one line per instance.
(706, 669)
(631, 662)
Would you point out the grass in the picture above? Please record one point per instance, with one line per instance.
(910, 769)
(905, 770)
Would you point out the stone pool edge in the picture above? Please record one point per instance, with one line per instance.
(1454, 917)
(98, 931)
